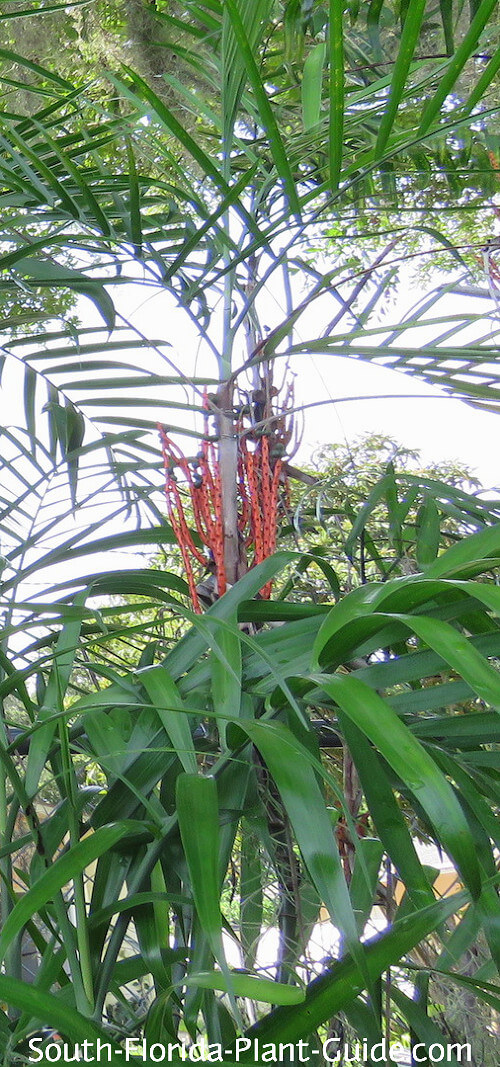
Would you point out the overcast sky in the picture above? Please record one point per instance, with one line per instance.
(440, 427)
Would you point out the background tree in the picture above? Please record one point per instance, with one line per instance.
(376, 512)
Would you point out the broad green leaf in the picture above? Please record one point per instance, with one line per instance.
(456, 650)
(62, 666)
(172, 712)
(48, 273)
(428, 532)
(266, 114)
(226, 675)
(192, 646)
(251, 893)
(488, 75)
(416, 768)
(455, 561)
(38, 1004)
(461, 937)
(340, 984)
(422, 1025)
(337, 96)
(456, 64)
(409, 40)
(160, 1025)
(376, 494)
(293, 773)
(386, 813)
(248, 985)
(446, 9)
(311, 88)
(372, 25)
(365, 879)
(485, 831)
(62, 871)
(133, 967)
(130, 903)
(130, 793)
(394, 509)
(371, 609)
(198, 813)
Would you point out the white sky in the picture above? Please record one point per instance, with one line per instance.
(439, 426)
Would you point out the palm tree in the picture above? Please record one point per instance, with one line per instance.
(290, 133)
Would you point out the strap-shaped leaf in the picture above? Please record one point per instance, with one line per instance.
(409, 39)
(46, 272)
(336, 91)
(198, 813)
(45, 888)
(172, 712)
(457, 63)
(248, 985)
(226, 675)
(266, 113)
(312, 85)
(386, 814)
(340, 984)
(293, 773)
(38, 1004)
(62, 667)
(415, 767)
(254, 20)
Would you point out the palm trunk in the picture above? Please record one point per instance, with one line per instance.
(234, 561)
